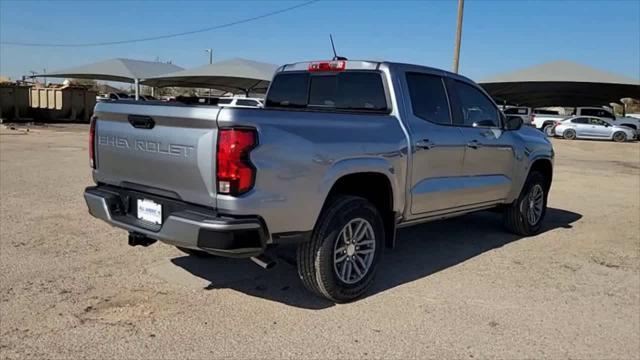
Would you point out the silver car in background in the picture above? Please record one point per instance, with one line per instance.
(586, 127)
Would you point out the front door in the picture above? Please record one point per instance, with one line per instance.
(599, 128)
(437, 147)
(489, 157)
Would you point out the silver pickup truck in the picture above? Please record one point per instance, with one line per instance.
(342, 154)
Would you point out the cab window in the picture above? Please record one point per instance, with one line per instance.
(429, 98)
(477, 109)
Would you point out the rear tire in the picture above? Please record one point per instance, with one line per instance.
(196, 253)
(619, 137)
(569, 134)
(548, 130)
(525, 215)
(335, 249)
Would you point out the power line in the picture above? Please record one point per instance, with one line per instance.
(166, 36)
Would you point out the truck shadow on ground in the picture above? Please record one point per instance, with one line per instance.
(420, 251)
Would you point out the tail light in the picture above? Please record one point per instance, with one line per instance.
(92, 142)
(339, 65)
(235, 173)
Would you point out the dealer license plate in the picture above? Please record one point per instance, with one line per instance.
(150, 211)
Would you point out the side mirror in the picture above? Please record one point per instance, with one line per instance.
(513, 123)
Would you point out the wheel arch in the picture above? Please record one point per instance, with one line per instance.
(372, 179)
(544, 166)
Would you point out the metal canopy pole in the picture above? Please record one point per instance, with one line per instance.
(456, 53)
(137, 86)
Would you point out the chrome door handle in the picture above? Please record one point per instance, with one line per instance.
(474, 144)
(424, 144)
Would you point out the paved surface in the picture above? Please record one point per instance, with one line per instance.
(70, 286)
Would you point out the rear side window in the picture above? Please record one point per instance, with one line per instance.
(348, 91)
(580, 120)
(477, 109)
(289, 90)
(429, 98)
(518, 111)
(596, 112)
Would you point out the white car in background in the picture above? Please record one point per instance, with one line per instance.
(241, 102)
(585, 127)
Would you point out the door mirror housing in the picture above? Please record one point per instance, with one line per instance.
(513, 123)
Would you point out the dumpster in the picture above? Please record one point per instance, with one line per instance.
(62, 103)
(14, 101)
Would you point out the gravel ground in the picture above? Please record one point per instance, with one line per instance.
(70, 287)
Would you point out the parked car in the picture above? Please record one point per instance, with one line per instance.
(546, 122)
(528, 114)
(118, 96)
(343, 154)
(521, 111)
(606, 114)
(240, 102)
(584, 127)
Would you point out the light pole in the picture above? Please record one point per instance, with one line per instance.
(456, 52)
(210, 51)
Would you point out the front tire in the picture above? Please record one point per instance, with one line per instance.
(619, 137)
(525, 215)
(341, 259)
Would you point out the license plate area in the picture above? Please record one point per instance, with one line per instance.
(149, 211)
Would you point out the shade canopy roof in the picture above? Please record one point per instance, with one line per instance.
(235, 75)
(122, 70)
(561, 83)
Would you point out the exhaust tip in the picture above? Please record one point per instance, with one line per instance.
(264, 261)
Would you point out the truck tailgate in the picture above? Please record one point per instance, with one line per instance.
(161, 149)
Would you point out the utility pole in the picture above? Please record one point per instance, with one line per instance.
(44, 71)
(33, 76)
(456, 52)
(210, 51)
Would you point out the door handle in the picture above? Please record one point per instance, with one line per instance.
(424, 144)
(474, 144)
(141, 121)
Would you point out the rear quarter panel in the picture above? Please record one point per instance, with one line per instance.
(301, 154)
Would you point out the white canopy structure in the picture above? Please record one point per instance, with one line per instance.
(121, 70)
(235, 75)
(561, 83)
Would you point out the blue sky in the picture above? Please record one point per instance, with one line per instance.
(498, 36)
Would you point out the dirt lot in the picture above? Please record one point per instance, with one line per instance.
(70, 286)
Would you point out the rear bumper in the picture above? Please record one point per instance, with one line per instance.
(183, 224)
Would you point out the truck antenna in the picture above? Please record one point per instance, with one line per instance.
(335, 55)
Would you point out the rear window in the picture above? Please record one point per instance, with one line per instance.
(347, 91)
(246, 102)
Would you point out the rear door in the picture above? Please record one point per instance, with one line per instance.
(164, 150)
(437, 182)
(489, 157)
